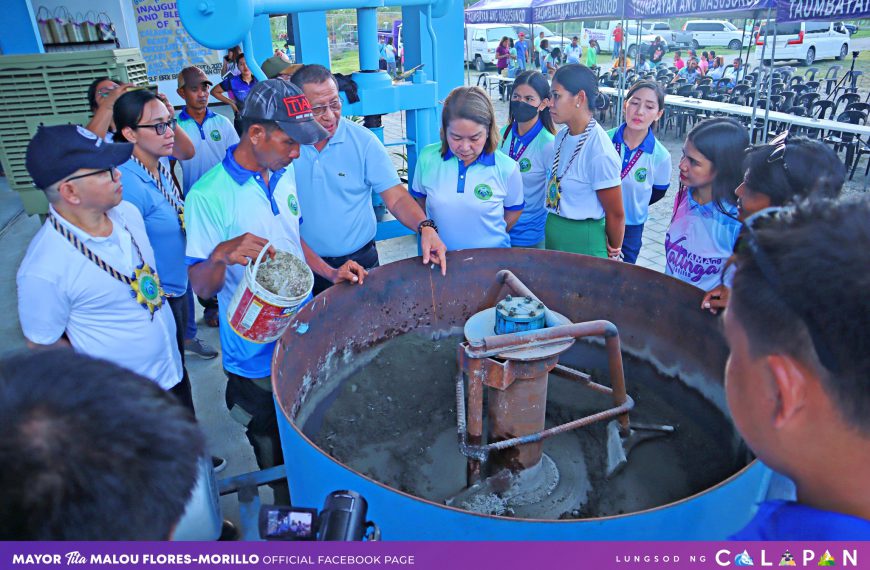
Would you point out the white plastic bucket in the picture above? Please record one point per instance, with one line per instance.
(258, 314)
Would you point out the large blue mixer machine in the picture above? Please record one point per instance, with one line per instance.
(345, 321)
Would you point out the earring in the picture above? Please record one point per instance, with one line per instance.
(577, 105)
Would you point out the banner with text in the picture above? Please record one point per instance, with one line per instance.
(800, 10)
(645, 9)
(433, 555)
(167, 47)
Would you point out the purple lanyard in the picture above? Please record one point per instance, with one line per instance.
(631, 162)
(520, 149)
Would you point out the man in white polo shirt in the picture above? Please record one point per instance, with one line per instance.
(336, 177)
(89, 279)
(232, 212)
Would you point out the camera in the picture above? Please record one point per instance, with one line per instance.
(855, 53)
(343, 518)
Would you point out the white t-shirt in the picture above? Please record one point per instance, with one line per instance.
(573, 53)
(468, 203)
(62, 291)
(596, 167)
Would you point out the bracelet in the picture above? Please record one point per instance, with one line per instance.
(427, 223)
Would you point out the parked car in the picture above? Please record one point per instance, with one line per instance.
(716, 33)
(673, 38)
(602, 32)
(807, 42)
(555, 40)
(851, 28)
(481, 40)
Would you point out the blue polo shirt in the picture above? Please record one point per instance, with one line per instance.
(239, 88)
(533, 153)
(225, 203)
(521, 47)
(211, 139)
(468, 203)
(651, 171)
(335, 188)
(161, 223)
(788, 520)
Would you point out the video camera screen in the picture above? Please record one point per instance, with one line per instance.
(290, 524)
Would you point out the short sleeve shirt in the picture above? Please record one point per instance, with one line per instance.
(225, 203)
(788, 520)
(335, 188)
(161, 223)
(533, 154)
(649, 171)
(521, 48)
(699, 241)
(62, 291)
(574, 53)
(239, 88)
(468, 203)
(211, 140)
(596, 167)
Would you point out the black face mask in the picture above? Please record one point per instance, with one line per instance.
(522, 112)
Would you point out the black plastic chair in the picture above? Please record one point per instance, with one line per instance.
(824, 110)
(840, 140)
(865, 107)
(850, 85)
(813, 85)
(807, 99)
(846, 99)
(801, 89)
(796, 80)
(831, 78)
(787, 99)
(810, 73)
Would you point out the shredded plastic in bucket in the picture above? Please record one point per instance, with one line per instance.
(285, 275)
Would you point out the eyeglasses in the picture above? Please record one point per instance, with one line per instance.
(160, 128)
(768, 271)
(321, 110)
(111, 170)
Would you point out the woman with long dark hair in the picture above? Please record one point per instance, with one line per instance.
(646, 163)
(528, 139)
(144, 120)
(584, 194)
(704, 224)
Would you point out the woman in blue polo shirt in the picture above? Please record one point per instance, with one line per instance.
(238, 86)
(144, 120)
(584, 198)
(646, 163)
(528, 139)
(471, 190)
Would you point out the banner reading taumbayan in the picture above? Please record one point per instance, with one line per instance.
(799, 10)
(643, 9)
(167, 48)
(559, 10)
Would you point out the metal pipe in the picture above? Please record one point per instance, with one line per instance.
(367, 35)
(525, 339)
(434, 71)
(617, 378)
(758, 79)
(770, 84)
(248, 46)
(475, 423)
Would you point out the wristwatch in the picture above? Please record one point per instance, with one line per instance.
(427, 223)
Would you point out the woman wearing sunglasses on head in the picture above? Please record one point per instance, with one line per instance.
(144, 120)
(786, 170)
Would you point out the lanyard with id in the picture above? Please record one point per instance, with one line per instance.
(631, 162)
(175, 200)
(144, 284)
(554, 186)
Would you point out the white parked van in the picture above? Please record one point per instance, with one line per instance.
(804, 41)
(715, 33)
(602, 32)
(481, 41)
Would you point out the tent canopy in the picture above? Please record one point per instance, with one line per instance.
(800, 10)
(500, 12)
(561, 10)
(647, 9)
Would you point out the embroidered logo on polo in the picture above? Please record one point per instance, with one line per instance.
(297, 106)
(525, 165)
(215, 135)
(293, 204)
(640, 175)
(483, 192)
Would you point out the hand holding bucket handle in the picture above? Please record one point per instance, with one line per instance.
(259, 258)
(242, 249)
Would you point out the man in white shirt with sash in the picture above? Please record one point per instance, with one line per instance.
(89, 278)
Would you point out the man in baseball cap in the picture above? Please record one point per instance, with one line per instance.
(232, 213)
(522, 48)
(277, 68)
(89, 278)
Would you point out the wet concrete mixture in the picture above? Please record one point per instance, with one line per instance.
(285, 275)
(394, 419)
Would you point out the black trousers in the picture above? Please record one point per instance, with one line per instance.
(251, 404)
(367, 256)
(182, 390)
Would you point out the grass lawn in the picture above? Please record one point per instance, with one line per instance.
(346, 62)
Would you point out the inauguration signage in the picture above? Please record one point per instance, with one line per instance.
(643, 9)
